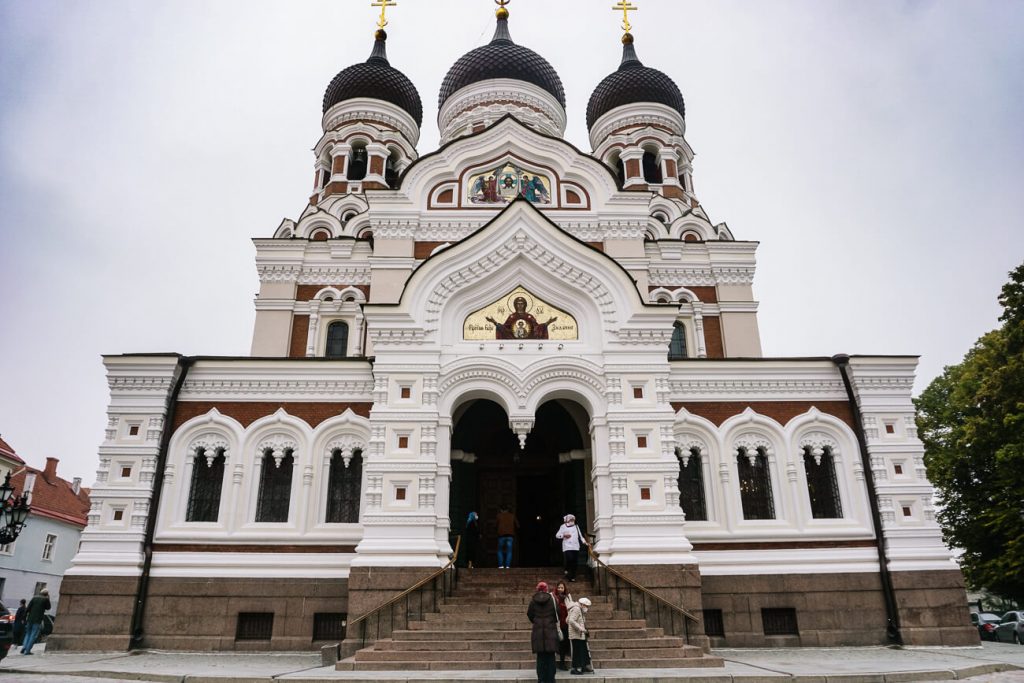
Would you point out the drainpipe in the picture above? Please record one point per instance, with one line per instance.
(842, 361)
(142, 593)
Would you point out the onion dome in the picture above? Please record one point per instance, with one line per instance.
(377, 79)
(631, 83)
(501, 58)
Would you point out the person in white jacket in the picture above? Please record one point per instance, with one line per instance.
(572, 540)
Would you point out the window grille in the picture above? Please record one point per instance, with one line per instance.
(255, 626)
(343, 487)
(822, 486)
(337, 340)
(691, 486)
(275, 488)
(329, 626)
(713, 623)
(779, 621)
(677, 347)
(755, 486)
(204, 493)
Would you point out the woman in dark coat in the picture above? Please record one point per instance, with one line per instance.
(544, 637)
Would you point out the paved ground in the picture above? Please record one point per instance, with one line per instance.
(991, 663)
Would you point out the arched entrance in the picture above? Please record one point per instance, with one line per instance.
(540, 482)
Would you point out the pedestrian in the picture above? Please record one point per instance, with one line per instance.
(471, 539)
(572, 540)
(19, 623)
(563, 598)
(35, 611)
(508, 525)
(581, 663)
(543, 614)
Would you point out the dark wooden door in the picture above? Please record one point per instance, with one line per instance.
(497, 488)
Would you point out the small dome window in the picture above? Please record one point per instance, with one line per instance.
(652, 168)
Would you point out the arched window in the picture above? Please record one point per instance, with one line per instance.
(755, 484)
(691, 485)
(619, 167)
(357, 162)
(822, 487)
(677, 347)
(391, 169)
(337, 340)
(343, 487)
(275, 487)
(204, 492)
(652, 168)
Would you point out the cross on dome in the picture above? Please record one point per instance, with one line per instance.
(626, 8)
(383, 4)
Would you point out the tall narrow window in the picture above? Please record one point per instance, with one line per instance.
(275, 487)
(204, 493)
(822, 487)
(48, 545)
(652, 168)
(391, 170)
(677, 347)
(691, 485)
(755, 485)
(357, 163)
(343, 487)
(337, 340)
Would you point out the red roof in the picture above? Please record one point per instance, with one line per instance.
(8, 452)
(52, 496)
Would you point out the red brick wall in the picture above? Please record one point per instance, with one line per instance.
(422, 250)
(248, 412)
(597, 245)
(713, 336)
(632, 168)
(300, 330)
(780, 411)
(376, 165)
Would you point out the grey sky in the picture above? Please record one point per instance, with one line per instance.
(874, 148)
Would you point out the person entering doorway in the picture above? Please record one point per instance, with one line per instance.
(508, 525)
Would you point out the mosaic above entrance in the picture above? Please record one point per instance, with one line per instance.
(519, 315)
(502, 184)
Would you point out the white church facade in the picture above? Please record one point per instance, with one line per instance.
(507, 321)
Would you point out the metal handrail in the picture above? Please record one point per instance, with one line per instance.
(404, 595)
(645, 592)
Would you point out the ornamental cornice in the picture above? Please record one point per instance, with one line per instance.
(675, 277)
(690, 389)
(741, 275)
(457, 230)
(648, 118)
(278, 273)
(461, 105)
(404, 125)
(331, 275)
(147, 384)
(248, 388)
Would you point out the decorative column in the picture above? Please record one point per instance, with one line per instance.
(698, 329)
(376, 158)
(314, 324)
(632, 163)
(521, 426)
(358, 348)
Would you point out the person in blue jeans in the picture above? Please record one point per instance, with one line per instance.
(507, 527)
(34, 613)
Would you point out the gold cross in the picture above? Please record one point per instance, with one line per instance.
(502, 3)
(626, 8)
(383, 4)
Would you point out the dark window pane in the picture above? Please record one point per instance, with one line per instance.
(357, 164)
(779, 621)
(691, 487)
(343, 488)
(755, 486)
(275, 488)
(204, 493)
(652, 168)
(329, 626)
(713, 623)
(337, 340)
(822, 486)
(255, 626)
(677, 347)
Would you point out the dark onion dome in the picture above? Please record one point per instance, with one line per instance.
(501, 58)
(633, 82)
(375, 78)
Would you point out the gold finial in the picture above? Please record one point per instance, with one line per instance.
(383, 4)
(502, 12)
(626, 8)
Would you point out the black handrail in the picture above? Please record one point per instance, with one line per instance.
(408, 605)
(665, 615)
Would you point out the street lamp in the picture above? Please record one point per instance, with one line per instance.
(13, 512)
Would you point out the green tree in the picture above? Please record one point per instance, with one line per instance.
(971, 420)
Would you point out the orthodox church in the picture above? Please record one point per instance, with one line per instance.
(507, 321)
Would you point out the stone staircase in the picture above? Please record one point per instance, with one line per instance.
(483, 626)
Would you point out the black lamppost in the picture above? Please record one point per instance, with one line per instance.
(13, 512)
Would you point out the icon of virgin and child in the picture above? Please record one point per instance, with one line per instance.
(520, 324)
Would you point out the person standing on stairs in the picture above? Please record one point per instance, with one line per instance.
(572, 540)
(471, 539)
(563, 598)
(577, 619)
(507, 527)
(543, 614)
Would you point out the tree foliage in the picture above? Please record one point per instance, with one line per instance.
(971, 419)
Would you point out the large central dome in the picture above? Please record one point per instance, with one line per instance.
(501, 58)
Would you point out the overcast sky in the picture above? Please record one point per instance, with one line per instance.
(873, 147)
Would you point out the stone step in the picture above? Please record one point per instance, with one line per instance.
(483, 634)
(420, 665)
(509, 599)
(598, 608)
(522, 655)
(436, 621)
(630, 644)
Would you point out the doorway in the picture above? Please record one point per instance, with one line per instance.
(539, 483)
